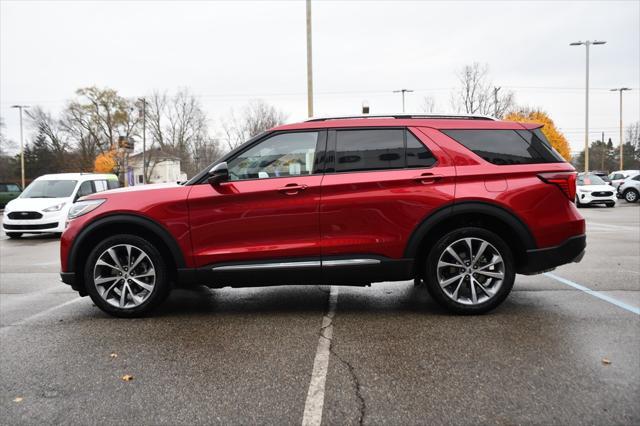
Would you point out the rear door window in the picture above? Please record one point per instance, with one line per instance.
(504, 147)
(369, 150)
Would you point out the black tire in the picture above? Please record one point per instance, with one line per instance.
(611, 204)
(438, 293)
(14, 235)
(578, 203)
(160, 291)
(631, 195)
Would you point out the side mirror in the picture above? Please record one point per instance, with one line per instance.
(218, 173)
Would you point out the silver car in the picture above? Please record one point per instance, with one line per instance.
(630, 189)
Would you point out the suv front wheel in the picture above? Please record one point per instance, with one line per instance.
(470, 271)
(126, 276)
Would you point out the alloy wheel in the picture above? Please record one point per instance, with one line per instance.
(124, 276)
(470, 271)
(631, 196)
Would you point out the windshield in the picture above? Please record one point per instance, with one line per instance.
(49, 189)
(590, 180)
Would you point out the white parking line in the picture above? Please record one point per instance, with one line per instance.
(315, 396)
(43, 313)
(593, 293)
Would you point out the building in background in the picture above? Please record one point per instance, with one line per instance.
(162, 167)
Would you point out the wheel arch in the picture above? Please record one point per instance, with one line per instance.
(124, 224)
(470, 213)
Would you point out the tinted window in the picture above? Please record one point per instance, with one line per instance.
(417, 154)
(3, 187)
(85, 189)
(369, 149)
(13, 187)
(636, 178)
(113, 184)
(287, 154)
(49, 189)
(507, 146)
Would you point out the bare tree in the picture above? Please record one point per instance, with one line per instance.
(6, 144)
(52, 129)
(256, 117)
(178, 125)
(478, 95)
(428, 105)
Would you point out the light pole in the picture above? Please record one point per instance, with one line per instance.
(621, 89)
(144, 139)
(309, 63)
(586, 43)
(403, 91)
(21, 107)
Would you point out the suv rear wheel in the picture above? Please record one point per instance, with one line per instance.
(631, 195)
(470, 271)
(126, 276)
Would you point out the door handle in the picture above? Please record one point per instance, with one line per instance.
(427, 178)
(292, 189)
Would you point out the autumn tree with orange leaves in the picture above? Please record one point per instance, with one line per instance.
(555, 137)
(105, 163)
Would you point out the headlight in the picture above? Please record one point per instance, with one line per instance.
(83, 207)
(55, 208)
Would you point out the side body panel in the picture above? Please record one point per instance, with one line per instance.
(375, 212)
(544, 208)
(255, 220)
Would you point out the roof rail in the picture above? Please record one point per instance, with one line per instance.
(405, 116)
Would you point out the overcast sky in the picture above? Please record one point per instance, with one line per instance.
(228, 53)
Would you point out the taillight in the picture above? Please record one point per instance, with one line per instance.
(566, 181)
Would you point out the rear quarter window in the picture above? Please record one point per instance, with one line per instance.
(505, 147)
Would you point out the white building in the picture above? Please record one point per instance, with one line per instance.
(162, 167)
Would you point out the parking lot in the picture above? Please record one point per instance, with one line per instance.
(553, 353)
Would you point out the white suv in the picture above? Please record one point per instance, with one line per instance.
(43, 206)
(619, 176)
(630, 189)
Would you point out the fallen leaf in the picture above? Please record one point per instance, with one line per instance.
(18, 399)
(113, 355)
(127, 377)
(606, 361)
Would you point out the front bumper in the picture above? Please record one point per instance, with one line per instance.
(589, 198)
(545, 259)
(48, 223)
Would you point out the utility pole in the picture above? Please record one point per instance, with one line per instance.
(403, 91)
(495, 101)
(621, 89)
(309, 63)
(586, 43)
(144, 139)
(604, 152)
(21, 107)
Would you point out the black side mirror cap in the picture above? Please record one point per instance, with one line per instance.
(218, 173)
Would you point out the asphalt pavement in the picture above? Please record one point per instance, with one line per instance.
(563, 349)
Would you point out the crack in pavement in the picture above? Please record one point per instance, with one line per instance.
(362, 407)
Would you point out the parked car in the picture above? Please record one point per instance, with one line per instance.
(460, 202)
(593, 190)
(630, 189)
(619, 176)
(8, 191)
(602, 175)
(45, 203)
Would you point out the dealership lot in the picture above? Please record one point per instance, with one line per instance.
(551, 354)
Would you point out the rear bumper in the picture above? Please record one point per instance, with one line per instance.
(540, 260)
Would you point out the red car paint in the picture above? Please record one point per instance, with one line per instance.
(333, 214)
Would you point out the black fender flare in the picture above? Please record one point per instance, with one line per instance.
(129, 219)
(466, 207)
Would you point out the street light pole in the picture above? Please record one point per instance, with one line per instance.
(144, 139)
(621, 89)
(403, 91)
(21, 107)
(586, 43)
(309, 63)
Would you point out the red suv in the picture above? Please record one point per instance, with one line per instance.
(461, 203)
